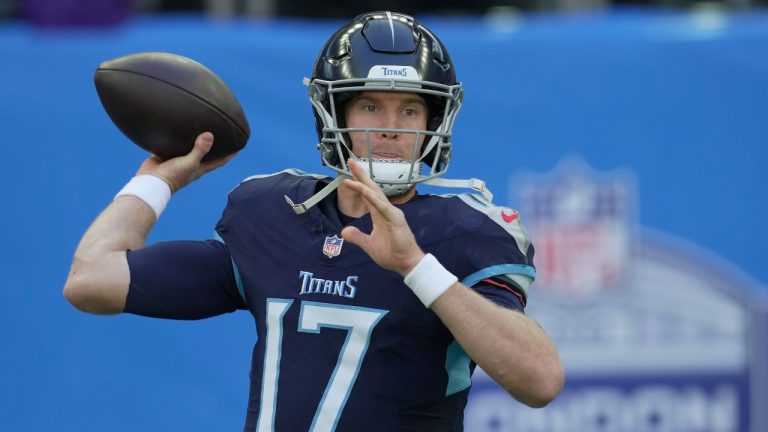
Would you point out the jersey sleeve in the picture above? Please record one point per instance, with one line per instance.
(182, 280)
(494, 255)
(502, 293)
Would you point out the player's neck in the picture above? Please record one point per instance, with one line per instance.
(351, 204)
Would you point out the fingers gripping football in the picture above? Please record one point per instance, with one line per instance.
(180, 171)
(391, 243)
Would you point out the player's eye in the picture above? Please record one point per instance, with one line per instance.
(413, 112)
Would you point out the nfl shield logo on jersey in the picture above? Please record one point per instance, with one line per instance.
(332, 246)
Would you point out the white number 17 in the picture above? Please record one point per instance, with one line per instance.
(358, 322)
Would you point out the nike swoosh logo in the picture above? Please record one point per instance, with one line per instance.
(509, 217)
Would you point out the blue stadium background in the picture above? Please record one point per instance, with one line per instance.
(680, 99)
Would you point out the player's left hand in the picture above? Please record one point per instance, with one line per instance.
(391, 243)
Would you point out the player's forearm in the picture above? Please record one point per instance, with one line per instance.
(124, 224)
(98, 279)
(509, 346)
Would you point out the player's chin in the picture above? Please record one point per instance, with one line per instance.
(401, 197)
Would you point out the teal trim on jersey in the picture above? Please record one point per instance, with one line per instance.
(457, 365)
(487, 272)
(238, 279)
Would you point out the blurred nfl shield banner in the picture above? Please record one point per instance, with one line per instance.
(656, 334)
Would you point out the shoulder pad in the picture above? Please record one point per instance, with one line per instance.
(291, 171)
(290, 175)
(507, 218)
(257, 188)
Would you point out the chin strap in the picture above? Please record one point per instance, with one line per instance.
(476, 185)
(314, 199)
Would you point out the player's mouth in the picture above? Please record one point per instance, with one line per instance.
(385, 155)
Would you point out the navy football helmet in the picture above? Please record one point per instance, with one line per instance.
(386, 51)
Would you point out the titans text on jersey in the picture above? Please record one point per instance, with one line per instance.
(313, 285)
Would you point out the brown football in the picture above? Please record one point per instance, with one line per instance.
(162, 101)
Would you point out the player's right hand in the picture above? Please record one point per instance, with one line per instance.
(183, 170)
(391, 243)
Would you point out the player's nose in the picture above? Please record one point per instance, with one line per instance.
(390, 121)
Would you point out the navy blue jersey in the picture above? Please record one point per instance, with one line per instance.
(342, 344)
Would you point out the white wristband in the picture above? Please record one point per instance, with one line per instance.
(150, 189)
(429, 279)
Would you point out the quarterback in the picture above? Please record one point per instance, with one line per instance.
(373, 303)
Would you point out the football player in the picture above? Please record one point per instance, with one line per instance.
(373, 303)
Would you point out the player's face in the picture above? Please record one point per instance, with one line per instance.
(386, 110)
